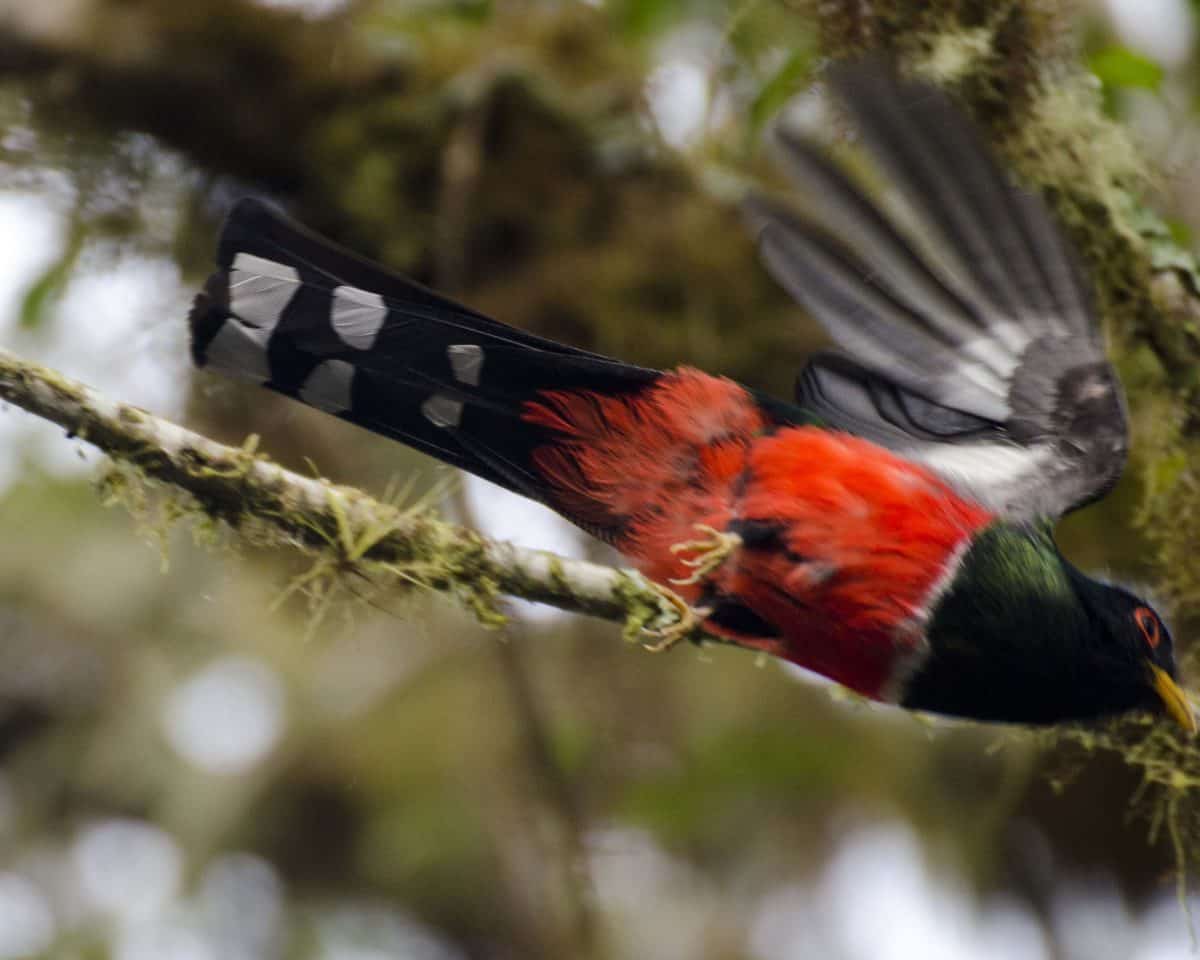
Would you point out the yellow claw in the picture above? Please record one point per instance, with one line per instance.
(687, 620)
(707, 554)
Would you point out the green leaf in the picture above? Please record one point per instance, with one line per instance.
(45, 292)
(639, 19)
(1162, 240)
(784, 83)
(1121, 67)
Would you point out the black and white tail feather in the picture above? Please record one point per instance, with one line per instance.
(293, 312)
(972, 346)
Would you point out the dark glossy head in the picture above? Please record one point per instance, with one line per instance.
(1131, 625)
(1020, 643)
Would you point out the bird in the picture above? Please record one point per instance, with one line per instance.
(891, 527)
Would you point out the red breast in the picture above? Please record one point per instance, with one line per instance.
(870, 538)
(867, 537)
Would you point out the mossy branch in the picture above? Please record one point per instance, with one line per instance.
(343, 525)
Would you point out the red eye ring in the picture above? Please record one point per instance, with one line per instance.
(1147, 622)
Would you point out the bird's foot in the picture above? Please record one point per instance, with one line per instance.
(687, 621)
(704, 555)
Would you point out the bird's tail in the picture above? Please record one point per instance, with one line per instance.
(293, 312)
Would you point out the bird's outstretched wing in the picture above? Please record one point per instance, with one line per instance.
(968, 343)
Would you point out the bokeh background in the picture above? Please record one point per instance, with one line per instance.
(194, 768)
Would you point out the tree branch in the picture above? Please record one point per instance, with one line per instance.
(358, 533)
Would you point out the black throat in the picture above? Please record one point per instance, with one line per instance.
(1019, 637)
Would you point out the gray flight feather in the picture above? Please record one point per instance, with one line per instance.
(969, 344)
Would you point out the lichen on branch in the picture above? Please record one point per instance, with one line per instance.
(344, 529)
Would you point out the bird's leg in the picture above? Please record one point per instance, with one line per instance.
(688, 620)
(704, 555)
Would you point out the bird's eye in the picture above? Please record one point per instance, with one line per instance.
(1147, 622)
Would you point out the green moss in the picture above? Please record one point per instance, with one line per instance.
(630, 592)
(1167, 762)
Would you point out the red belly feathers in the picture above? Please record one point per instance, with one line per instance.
(865, 537)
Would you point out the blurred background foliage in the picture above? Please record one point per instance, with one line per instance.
(190, 769)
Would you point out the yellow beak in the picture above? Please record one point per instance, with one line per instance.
(1176, 702)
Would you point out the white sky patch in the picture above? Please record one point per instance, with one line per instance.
(878, 898)
(118, 327)
(127, 868)
(502, 515)
(808, 114)
(26, 921)
(657, 905)
(240, 906)
(122, 317)
(32, 232)
(1163, 931)
(376, 932)
(680, 88)
(32, 229)
(227, 717)
(1163, 30)
(883, 901)
(1007, 929)
(677, 92)
(169, 938)
(1092, 920)
(628, 869)
(310, 8)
